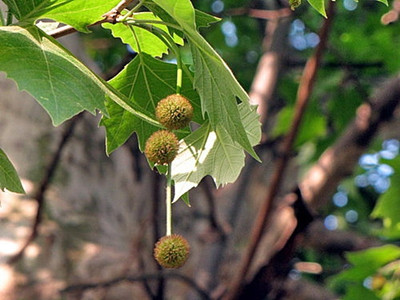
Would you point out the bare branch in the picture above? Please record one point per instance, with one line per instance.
(156, 276)
(43, 186)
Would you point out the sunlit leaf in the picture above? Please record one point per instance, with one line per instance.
(77, 13)
(140, 39)
(319, 5)
(209, 151)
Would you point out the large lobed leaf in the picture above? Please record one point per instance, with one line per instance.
(8, 176)
(77, 13)
(140, 39)
(145, 81)
(214, 81)
(53, 76)
(209, 151)
(39, 65)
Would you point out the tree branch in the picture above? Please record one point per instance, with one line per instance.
(156, 276)
(109, 17)
(43, 186)
(304, 92)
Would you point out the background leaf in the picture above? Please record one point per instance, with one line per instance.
(77, 13)
(8, 175)
(387, 206)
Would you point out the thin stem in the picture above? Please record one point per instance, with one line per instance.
(133, 21)
(132, 11)
(9, 18)
(2, 21)
(136, 39)
(179, 77)
(168, 202)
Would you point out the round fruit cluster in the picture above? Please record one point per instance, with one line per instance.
(173, 112)
(172, 251)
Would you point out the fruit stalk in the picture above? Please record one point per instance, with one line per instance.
(168, 202)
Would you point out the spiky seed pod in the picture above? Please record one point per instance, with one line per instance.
(172, 251)
(174, 112)
(162, 147)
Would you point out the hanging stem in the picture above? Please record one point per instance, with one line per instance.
(2, 21)
(9, 18)
(132, 11)
(168, 202)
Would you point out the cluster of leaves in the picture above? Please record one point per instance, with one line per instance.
(227, 124)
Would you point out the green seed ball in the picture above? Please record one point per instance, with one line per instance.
(172, 251)
(161, 147)
(174, 112)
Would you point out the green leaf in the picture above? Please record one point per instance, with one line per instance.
(319, 5)
(359, 292)
(209, 151)
(145, 81)
(8, 175)
(2, 20)
(214, 81)
(204, 20)
(384, 2)
(388, 203)
(77, 13)
(365, 263)
(39, 65)
(180, 10)
(54, 77)
(145, 41)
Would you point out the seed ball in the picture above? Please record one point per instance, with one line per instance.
(161, 147)
(172, 251)
(174, 112)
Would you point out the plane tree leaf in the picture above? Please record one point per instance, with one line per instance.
(42, 67)
(140, 39)
(218, 89)
(211, 151)
(54, 77)
(145, 81)
(8, 175)
(77, 13)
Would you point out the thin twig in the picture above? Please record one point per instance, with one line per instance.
(206, 185)
(156, 200)
(43, 186)
(304, 92)
(155, 276)
(109, 17)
